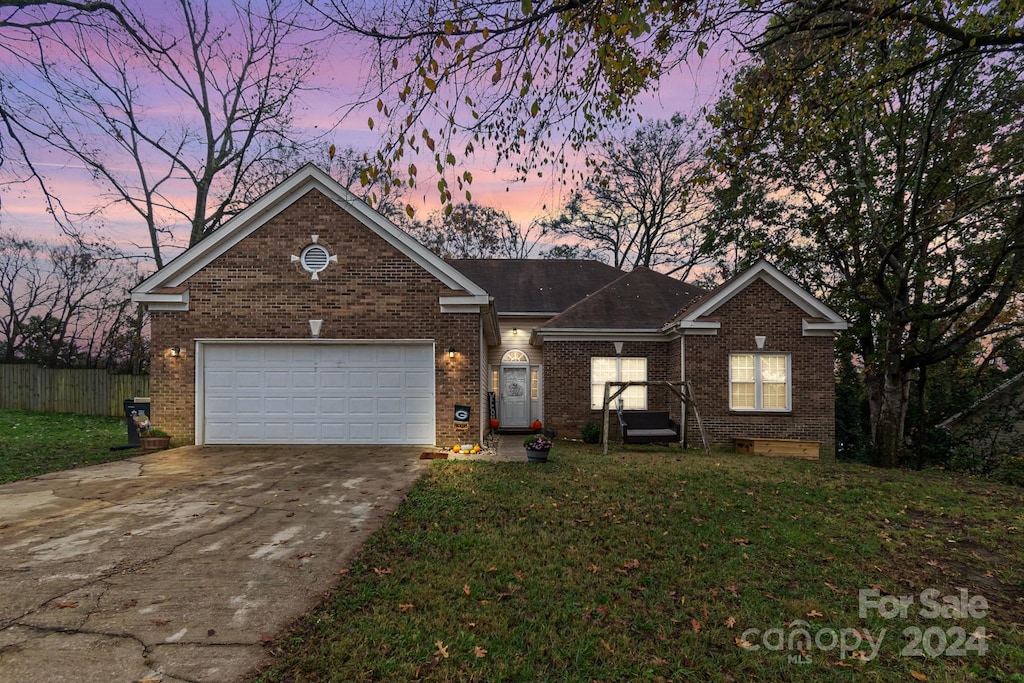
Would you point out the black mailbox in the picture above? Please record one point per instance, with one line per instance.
(132, 408)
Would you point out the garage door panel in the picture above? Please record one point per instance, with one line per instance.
(390, 406)
(318, 393)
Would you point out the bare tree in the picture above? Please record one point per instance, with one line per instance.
(476, 231)
(170, 120)
(646, 203)
(60, 303)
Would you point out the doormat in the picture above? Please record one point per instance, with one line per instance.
(433, 456)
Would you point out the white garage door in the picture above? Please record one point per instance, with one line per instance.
(318, 393)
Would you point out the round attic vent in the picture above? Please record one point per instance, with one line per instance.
(314, 258)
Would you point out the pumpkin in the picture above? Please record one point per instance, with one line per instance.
(536, 424)
(494, 423)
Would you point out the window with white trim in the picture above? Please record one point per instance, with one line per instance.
(618, 369)
(759, 381)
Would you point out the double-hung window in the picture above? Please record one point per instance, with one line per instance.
(618, 369)
(760, 381)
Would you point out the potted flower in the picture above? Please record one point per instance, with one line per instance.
(537, 447)
(150, 438)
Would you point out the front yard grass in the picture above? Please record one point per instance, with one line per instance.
(654, 566)
(34, 443)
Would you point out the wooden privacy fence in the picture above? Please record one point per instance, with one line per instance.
(86, 392)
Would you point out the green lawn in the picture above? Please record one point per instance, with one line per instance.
(33, 443)
(654, 566)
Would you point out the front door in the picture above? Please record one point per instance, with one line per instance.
(515, 396)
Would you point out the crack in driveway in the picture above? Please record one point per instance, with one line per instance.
(185, 552)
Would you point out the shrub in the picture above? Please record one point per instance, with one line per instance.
(591, 432)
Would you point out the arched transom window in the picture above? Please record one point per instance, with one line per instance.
(515, 356)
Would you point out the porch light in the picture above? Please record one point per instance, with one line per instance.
(314, 328)
(175, 351)
(451, 352)
(515, 331)
(759, 340)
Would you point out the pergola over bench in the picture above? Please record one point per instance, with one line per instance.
(681, 389)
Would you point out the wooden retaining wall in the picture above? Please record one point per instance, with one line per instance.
(86, 392)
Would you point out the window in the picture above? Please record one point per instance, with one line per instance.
(759, 381)
(534, 383)
(618, 370)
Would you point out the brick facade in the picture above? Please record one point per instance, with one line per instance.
(567, 380)
(760, 310)
(254, 291)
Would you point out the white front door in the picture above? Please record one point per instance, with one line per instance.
(515, 396)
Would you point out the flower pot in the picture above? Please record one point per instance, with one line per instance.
(537, 456)
(151, 444)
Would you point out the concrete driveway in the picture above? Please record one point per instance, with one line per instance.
(180, 566)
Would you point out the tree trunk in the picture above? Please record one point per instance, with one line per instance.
(888, 397)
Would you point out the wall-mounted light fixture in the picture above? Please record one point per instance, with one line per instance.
(175, 351)
(759, 340)
(515, 330)
(451, 352)
(314, 328)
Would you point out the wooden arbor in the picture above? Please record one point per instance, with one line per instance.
(683, 390)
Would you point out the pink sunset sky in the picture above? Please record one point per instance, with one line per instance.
(323, 112)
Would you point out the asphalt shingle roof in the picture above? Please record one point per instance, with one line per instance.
(641, 299)
(536, 285)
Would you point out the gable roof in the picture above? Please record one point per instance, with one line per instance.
(545, 286)
(821, 320)
(639, 300)
(156, 291)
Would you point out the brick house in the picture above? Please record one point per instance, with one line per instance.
(310, 318)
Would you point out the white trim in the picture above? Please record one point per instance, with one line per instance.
(782, 284)
(602, 334)
(618, 378)
(163, 302)
(275, 201)
(475, 303)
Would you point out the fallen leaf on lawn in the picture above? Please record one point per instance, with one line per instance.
(479, 652)
(519, 575)
(632, 564)
(834, 588)
(815, 613)
(66, 604)
(593, 569)
(405, 606)
(381, 572)
(730, 622)
(918, 675)
(705, 545)
(465, 588)
(731, 587)
(607, 646)
(442, 649)
(343, 570)
(745, 644)
(150, 680)
(492, 569)
(267, 640)
(695, 625)
(980, 633)
(741, 541)
(713, 591)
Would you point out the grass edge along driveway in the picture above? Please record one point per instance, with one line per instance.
(661, 566)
